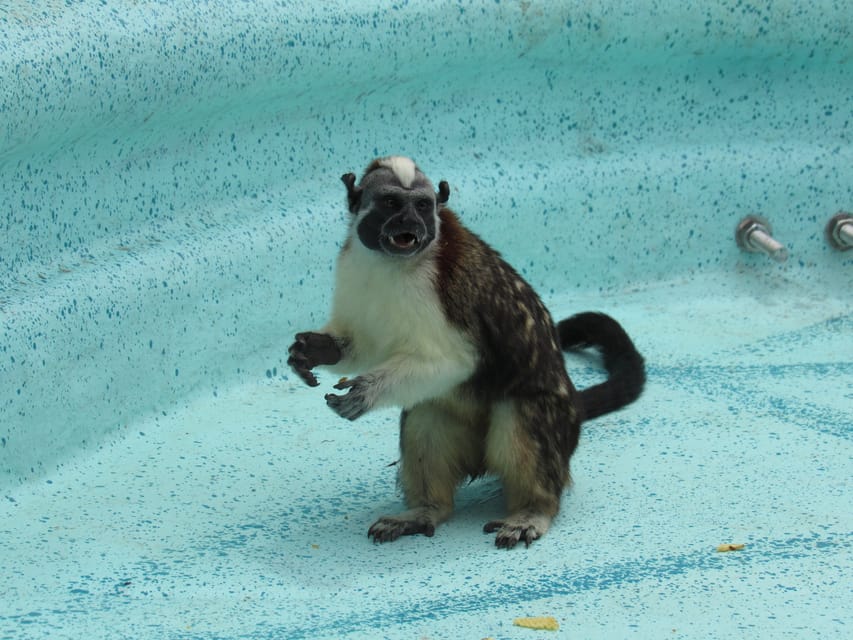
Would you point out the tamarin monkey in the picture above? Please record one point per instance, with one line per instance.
(433, 320)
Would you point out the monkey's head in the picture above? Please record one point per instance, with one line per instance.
(395, 207)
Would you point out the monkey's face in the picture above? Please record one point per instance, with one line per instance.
(397, 221)
(395, 208)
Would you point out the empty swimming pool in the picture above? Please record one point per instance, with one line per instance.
(171, 212)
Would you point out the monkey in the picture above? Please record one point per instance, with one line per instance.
(433, 320)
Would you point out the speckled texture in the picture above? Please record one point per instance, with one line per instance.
(170, 210)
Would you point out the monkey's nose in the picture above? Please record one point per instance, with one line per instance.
(410, 217)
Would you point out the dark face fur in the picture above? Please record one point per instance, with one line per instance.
(395, 207)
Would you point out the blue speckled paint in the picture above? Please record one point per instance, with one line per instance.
(169, 213)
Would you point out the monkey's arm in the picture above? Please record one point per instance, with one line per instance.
(312, 349)
(402, 380)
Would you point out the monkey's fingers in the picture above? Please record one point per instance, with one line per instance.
(316, 348)
(299, 365)
(307, 377)
(349, 406)
(345, 383)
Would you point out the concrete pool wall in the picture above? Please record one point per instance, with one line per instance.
(170, 195)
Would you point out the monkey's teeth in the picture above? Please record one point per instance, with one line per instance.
(404, 240)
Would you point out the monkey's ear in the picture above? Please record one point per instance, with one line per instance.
(443, 193)
(353, 192)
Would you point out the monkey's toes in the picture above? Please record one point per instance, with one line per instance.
(388, 529)
(492, 526)
(381, 532)
(509, 535)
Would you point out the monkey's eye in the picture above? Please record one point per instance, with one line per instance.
(423, 204)
(391, 202)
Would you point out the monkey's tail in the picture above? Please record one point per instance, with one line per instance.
(626, 371)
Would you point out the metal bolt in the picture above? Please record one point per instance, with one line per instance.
(839, 231)
(754, 234)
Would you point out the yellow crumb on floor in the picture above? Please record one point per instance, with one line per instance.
(730, 547)
(545, 623)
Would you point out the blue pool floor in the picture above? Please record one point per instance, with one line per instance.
(244, 515)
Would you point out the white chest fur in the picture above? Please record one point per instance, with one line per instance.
(389, 309)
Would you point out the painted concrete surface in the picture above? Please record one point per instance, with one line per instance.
(245, 515)
(170, 213)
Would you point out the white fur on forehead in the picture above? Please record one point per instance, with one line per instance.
(403, 168)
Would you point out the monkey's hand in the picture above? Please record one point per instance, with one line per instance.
(312, 349)
(357, 401)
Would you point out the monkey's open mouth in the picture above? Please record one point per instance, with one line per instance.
(404, 241)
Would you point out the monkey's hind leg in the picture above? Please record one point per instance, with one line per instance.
(437, 451)
(528, 448)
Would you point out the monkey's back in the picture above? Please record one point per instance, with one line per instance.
(487, 298)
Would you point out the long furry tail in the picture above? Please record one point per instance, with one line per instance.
(626, 371)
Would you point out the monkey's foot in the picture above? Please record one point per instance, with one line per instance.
(516, 528)
(389, 528)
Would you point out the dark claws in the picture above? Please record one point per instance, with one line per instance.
(309, 378)
(389, 529)
(509, 538)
